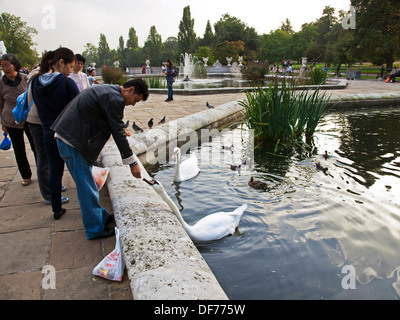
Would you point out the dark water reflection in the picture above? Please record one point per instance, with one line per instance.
(295, 238)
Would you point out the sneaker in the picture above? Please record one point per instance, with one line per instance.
(63, 200)
(63, 188)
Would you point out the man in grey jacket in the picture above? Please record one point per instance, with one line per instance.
(82, 130)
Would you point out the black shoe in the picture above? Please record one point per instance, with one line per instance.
(57, 215)
(168, 100)
(107, 232)
(110, 219)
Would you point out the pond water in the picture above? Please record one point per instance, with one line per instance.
(298, 238)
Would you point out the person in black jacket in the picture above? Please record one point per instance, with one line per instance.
(82, 130)
(52, 90)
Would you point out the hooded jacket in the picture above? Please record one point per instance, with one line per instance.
(51, 93)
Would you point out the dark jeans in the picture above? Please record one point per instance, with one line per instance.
(56, 169)
(170, 91)
(18, 143)
(42, 162)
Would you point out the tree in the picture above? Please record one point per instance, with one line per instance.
(17, 37)
(287, 27)
(103, 51)
(301, 40)
(275, 46)
(90, 53)
(132, 42)
(154, 47)
(186, 35)
(205, 52)
(324, 38)
(172, 49)
(208, 37)
(377, 30)
(228, 49)
(121, 51)
(233, 29)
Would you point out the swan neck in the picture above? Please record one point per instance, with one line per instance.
(174, 209)
(177, 165)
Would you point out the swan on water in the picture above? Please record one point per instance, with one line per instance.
(212, 227)
(186, 169)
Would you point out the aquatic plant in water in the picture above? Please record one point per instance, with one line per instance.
(156, 83)
(280, 115)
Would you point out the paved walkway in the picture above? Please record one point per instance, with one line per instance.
(31, 239)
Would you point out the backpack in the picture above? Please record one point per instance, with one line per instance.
(176, 72)
(21, 110)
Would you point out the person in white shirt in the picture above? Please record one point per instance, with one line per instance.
(77, 75)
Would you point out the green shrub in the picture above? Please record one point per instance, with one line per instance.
(255, 72)
(316, 76)
(113, 76)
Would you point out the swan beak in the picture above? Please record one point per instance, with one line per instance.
(150, 182)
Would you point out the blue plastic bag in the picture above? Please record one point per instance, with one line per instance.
(6, 143)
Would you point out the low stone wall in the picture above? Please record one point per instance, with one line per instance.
(364, 100)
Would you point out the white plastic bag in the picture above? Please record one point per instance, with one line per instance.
(113, 265)
(100, 176)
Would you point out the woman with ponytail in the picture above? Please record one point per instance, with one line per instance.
(52, 90)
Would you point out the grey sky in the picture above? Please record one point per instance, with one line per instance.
(79, 22)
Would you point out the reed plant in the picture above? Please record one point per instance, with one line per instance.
(156, 83)
(280, 115)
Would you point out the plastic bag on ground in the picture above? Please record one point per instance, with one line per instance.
(100, 176)
(113, 265)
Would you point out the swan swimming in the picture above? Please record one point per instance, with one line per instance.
(186, 169)
(212, 227)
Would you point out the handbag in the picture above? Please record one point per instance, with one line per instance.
(6, 143)
(21, 110)
(113, 265)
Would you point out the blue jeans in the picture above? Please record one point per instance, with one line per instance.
(94, 216)
(170, 92)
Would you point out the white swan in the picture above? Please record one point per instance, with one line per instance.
(186, 169)
(212, 227)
